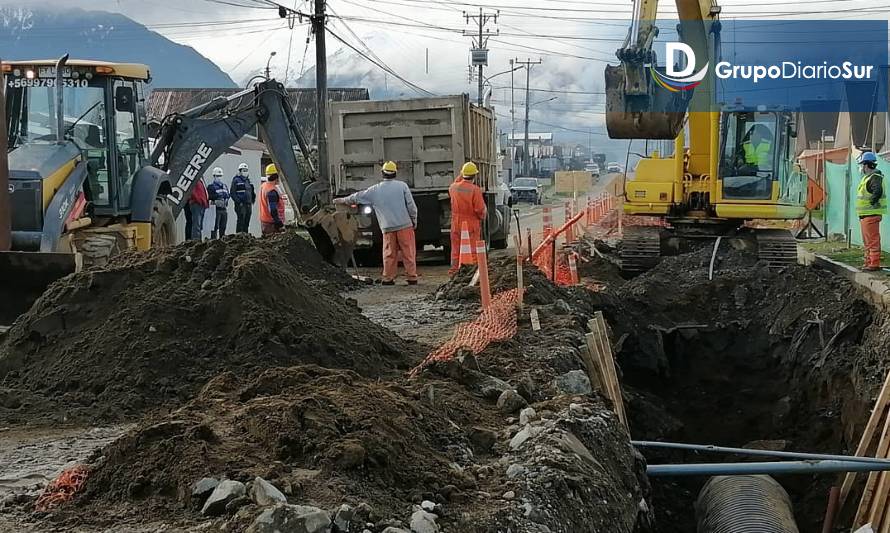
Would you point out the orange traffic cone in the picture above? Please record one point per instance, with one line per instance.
(467, 257)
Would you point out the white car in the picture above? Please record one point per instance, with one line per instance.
(614, 167)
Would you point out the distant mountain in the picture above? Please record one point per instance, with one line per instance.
(40, 33)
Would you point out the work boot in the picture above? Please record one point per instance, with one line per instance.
(412, 282)
(388, 282)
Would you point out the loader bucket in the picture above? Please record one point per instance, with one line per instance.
(24, 276)
(334, 232)
(657, 114)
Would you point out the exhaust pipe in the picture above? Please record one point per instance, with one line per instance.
(730, 504)
(60, 111)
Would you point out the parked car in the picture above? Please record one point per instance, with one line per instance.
(614, 167)
(527, 190)
(593, 168)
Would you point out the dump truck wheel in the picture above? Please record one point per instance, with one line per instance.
(163, 224)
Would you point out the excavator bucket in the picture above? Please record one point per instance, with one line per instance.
(26, 275)
(655, 113)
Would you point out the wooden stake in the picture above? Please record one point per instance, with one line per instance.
(536, 323)
(519, 281)
(871, 484)
(867, 436)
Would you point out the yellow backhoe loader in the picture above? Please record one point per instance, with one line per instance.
(83, 185)
(737, 166)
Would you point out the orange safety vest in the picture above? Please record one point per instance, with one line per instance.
(265, 214)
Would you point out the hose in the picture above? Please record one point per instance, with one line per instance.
(744, 504)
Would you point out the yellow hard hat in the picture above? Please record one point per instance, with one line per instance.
(271, 169)
(389, 167)
(469, 169)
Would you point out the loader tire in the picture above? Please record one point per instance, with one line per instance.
(98, 248)
(163, 224)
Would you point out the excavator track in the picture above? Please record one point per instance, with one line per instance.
(776, 246)
(640, 248)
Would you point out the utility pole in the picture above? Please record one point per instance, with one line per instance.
(528, 68)
(479, 52)
(321, 88)
(512, 126)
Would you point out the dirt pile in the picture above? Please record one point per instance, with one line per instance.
(150, 329)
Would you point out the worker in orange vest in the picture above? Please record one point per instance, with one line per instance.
(271, 203)
(467, 205)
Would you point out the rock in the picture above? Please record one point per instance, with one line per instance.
(264, 493)
(395, 530)
(206, 285)
(509, 495)
(423, 522)
(560, 307)
(523, 435)
(239, 502)
(510, 401)
(573, 382)
(345, 515)
(226, 491)
(527, 415)
(482, 439)
(516, 470)
(427, 505)
(526, 388)
(286, 518)
(491, 387)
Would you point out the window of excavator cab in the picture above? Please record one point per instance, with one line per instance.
(748, 164)
(32, 118)
(127, 141)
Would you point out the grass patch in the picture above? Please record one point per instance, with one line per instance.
(838, 251)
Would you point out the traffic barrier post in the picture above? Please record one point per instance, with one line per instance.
(484, 287)
(573, 269)
(548, 222)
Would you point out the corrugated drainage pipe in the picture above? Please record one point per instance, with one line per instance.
(744, 504)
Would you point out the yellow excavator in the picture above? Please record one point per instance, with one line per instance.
(730, 164)
(85, 184)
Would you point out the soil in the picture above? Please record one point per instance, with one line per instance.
(150, 329)
(328, 436)
(741, 358)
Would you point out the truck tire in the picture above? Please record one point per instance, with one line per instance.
(98, 248)
(499, 244)
(163, 224)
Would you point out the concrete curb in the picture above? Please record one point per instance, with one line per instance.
(872, 288)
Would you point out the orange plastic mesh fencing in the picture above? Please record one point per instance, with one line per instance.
(495, 324)
(63, 488)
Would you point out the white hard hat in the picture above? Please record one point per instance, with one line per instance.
(217, 171)
(242, 166)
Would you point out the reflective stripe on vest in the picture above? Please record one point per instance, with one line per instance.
(864, 207)
(758, 155)
(265, 214)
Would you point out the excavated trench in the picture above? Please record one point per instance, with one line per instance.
(740, 361)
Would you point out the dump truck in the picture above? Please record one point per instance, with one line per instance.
(429, 139)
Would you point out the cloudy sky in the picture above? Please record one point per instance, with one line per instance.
(422, 41)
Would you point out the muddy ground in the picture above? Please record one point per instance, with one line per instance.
(794, 357)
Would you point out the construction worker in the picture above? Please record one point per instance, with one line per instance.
(758, 151)
(218, 194)
(467, 205)
(396, 212)
(243, 195)
(871, 204)
(197, 204)
(271, 203)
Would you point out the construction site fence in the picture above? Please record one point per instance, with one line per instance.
(842, 182)
(599, 214)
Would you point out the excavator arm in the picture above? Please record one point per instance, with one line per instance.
(636, 106)
(189, 143)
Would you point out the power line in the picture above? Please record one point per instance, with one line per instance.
(382, 67)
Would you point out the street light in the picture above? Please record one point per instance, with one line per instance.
(544, 101)
(267, 64)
